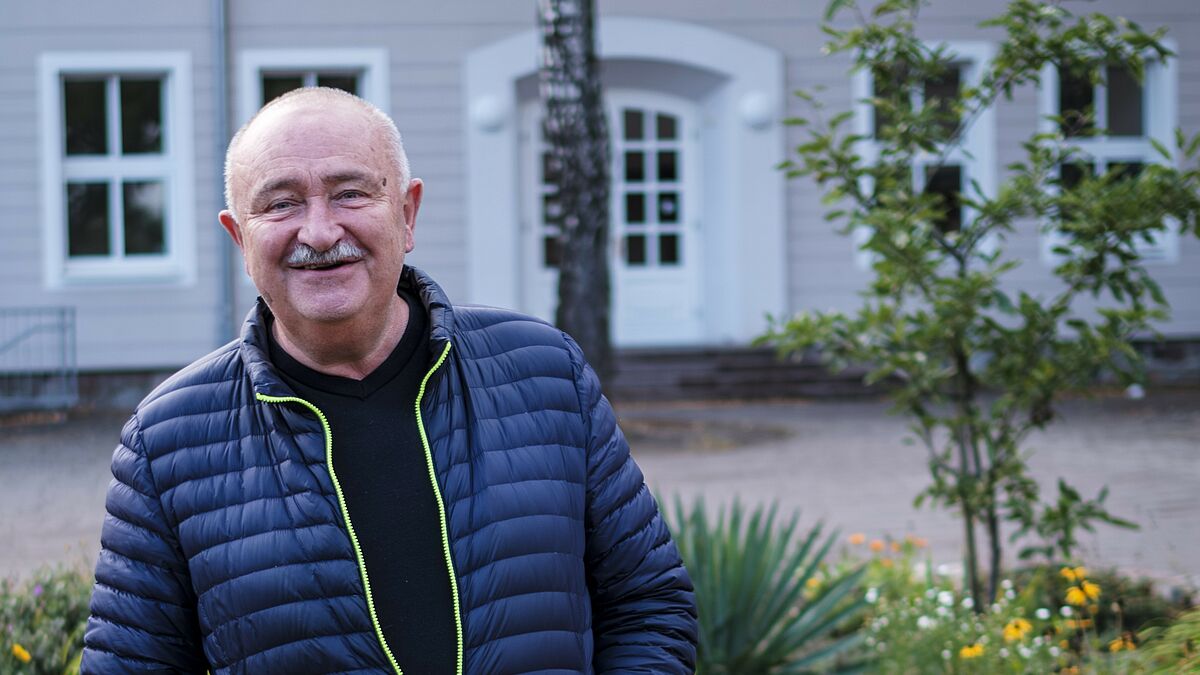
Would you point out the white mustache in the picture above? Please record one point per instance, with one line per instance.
(341, 252)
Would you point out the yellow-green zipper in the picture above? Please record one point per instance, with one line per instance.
(337, 488)
(437, 492)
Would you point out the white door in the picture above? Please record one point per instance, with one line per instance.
(654, 233)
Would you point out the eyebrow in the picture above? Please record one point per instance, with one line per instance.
(292, 183)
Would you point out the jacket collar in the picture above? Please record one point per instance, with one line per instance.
(254, 351)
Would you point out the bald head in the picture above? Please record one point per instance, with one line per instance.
(316, 99)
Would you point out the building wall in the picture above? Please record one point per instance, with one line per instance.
(150, 326)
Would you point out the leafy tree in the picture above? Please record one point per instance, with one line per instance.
(576, 131)
(977, 362)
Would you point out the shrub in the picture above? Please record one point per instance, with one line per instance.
(42, 620)
(766, 600)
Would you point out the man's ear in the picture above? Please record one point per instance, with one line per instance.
(231, 226)
(412, 204)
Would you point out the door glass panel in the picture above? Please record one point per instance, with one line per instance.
(141, 116)
(549, 169)
(668, 207)
(1124, 98)
(635, 207)
(551, 251)
(668, 166)
(87, 219)
(668, 249)
(633, 125)
(144, 207)
(665, 126)
(551, 210)
(87, 118)
(635, 249)
(635, 167)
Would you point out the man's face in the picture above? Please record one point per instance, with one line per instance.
(322, 223)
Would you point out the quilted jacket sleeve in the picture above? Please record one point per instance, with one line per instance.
(143, 610)
(643, 609)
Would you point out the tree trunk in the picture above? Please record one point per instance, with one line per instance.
(576, 132)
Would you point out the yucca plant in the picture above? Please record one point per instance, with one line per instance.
(766, 603)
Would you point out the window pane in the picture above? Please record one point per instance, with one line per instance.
(144, 204)
(635, 207)
(1076, 99)
(274, 86)
(635, 167)
(666, 127)
(1124, 103)
(552, 211)
(86, 117)
(946, 182)
(344, 82)
(549, 169)
(141, 116)
(940, 92)
(87, 219)
(668, 249)
(635, 249)
(633, 125)
(1070, 175)
(668, 166)
(668, 207)
(551, 251)
(1125, 170)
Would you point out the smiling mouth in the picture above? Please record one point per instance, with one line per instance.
(324, 266)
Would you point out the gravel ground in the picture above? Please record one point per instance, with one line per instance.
(841, 462)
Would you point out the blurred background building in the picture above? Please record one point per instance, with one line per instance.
(114, 117)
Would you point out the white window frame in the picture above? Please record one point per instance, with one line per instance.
(1160, 106)
(975, 155)
(175, 167)
(254, 63)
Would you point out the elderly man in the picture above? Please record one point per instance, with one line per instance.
(370, 479)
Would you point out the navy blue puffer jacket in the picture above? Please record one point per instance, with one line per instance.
(227, 548)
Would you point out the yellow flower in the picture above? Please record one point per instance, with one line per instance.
(812, 584)
(1076, 596)
(876, 545)
(21, 653)
(1079, 624)
(1067, 573)
(971, 651)
(1120, 643)
(1080, 572)
(857, 538)
(1016, 630)
(921, 542)
(895, 547)
(887, 563)
(1091, 590)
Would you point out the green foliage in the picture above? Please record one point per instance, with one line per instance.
(1174, 648)
(978, 362)
(765, 603)
(42, 620)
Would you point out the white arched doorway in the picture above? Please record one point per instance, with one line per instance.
(698, 241)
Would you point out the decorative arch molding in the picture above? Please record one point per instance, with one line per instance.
(743, 223)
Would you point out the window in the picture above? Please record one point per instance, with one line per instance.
(970, 162)
(1113, 119)
(264, 74)
(117, 167)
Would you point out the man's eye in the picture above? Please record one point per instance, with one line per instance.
(350, 194)
(278, 206)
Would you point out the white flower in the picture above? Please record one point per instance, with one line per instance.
(1006, 584)
(996, 608)
(1066, 610)
(1010, 594)
(1003, 653)
(1054, 651)
(1042, 613)
(872, 595)
(870, 641)
(1037, 641)
(930, 593)
(945, 598)
(926, 622)
(945, 654)
(1024, 651)
(882, 622)
(881, 646)
(968, 603)
(943, 612)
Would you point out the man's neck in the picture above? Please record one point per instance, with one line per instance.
(351, 349)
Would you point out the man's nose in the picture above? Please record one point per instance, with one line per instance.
(321, 228)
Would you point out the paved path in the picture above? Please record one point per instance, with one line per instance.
(842, 462)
